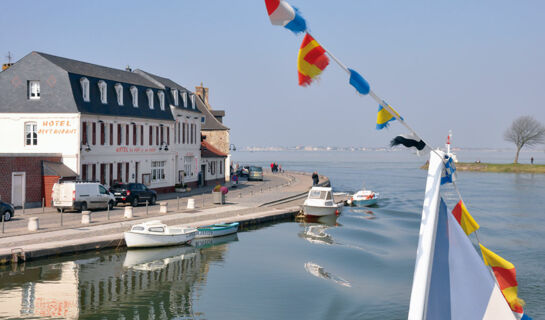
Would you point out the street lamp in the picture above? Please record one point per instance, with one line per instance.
(232, 147)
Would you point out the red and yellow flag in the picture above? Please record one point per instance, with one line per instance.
(464, 218)
(311, 60)
(506, 276)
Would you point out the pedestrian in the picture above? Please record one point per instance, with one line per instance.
(280, 168)
(272, 167)
(315, 178)
(532, 160)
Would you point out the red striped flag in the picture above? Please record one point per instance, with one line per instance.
(311, 60)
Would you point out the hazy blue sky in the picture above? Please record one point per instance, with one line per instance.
(470, 66)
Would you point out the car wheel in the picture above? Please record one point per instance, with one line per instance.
(153, 199)
(59, 210)
(111, 205)
(7, 216)
(134, 202)
(83, 206)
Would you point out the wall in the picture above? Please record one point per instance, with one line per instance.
(32, 166)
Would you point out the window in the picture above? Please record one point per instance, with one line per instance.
(111, 132)
(188, 165)
(119, 134)
(193, 101)
(94, 137)
(184, 98)
(161, 96)
(142, 135)
(102, 133)
(34, 90)
(213, 167)
(221, 167)
(158, 170)
(202, 119)
(183, 132)
(119, 91)
(175, 96)
(84, 133)
(31, 134)
(149, 93)
(85, 89)
(102, 86)
(134, 94)
(150, 129)
(127, 135)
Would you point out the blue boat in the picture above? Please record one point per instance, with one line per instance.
(216, 230)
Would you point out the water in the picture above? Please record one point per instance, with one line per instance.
(357, 267)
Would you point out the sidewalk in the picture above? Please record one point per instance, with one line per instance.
(249, 202)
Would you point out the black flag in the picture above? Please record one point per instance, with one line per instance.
(409, 141)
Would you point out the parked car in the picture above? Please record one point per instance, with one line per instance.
(79, 195)
(7, 210)
(255, 173)
(243, 171)
(133, 193)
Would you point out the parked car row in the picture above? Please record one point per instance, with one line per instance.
(76, 195)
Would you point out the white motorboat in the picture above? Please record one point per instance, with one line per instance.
(157, 234)
(320, 203)
(364, 198)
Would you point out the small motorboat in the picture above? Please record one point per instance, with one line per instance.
(157, 234)
(217, 230)
(320, 203)
(363, 198)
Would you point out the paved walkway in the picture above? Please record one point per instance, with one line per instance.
(63, 233)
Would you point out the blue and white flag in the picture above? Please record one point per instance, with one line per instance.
(448, 173)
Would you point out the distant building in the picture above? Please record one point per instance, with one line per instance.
(213, 130)
(102, 124)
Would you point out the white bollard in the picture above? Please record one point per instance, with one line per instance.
(191, 203)
(33, 224)
(128, 212)
(86, 217)
(164, 207)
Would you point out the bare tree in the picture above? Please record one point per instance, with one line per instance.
(525, 131)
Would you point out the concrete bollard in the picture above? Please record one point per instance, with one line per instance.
(191, 203)
(164, 207)
(128, 212)
(33, 224)
(86, 217)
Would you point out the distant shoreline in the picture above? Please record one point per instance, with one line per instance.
(498, 167)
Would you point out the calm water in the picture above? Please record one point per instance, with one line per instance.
(357, 267)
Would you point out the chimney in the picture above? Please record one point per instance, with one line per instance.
(203, 93)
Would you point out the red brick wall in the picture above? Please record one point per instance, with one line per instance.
(48, 182)
(32, 166)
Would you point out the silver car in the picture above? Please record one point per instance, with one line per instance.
(255, 173)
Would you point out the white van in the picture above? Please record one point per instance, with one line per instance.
(81, 196)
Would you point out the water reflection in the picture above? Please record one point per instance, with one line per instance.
(320, 272)
(316, 234)
(159, 283)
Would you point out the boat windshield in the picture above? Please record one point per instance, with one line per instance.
(316, 194)
(156, 229)
(138, 228)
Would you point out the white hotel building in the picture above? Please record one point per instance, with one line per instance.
(104, 124)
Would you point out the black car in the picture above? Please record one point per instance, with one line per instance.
(243, 171)
(133, 193)
(7, 210)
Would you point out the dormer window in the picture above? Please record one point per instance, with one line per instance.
(119, 91)
(34, 90)
(184, 98)
(85, 89)
(149, 93)
(103, 92)
(134, 94)
(193, 101)
(175, 96)
(161, 96)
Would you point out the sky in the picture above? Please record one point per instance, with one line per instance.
(467, 66)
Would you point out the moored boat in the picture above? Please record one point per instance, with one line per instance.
(217, 230)
(157, 234)
(320, 203)
(364, 198)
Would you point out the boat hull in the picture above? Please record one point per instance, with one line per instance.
(319, 211)
(146, 240)
(364, 203)
(216, 230)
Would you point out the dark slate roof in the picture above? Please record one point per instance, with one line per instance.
(210, 122)
(168, 84)
(97, 71)
(58, 169)
(209, 151)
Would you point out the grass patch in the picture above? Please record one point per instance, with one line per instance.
(498, 167)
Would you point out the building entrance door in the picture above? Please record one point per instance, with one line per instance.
(18, 189)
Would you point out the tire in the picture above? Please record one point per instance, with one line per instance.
(7, 215)
(134, 202)
(111, 205)
(59, 210)
(153, 200)
(83, 206)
